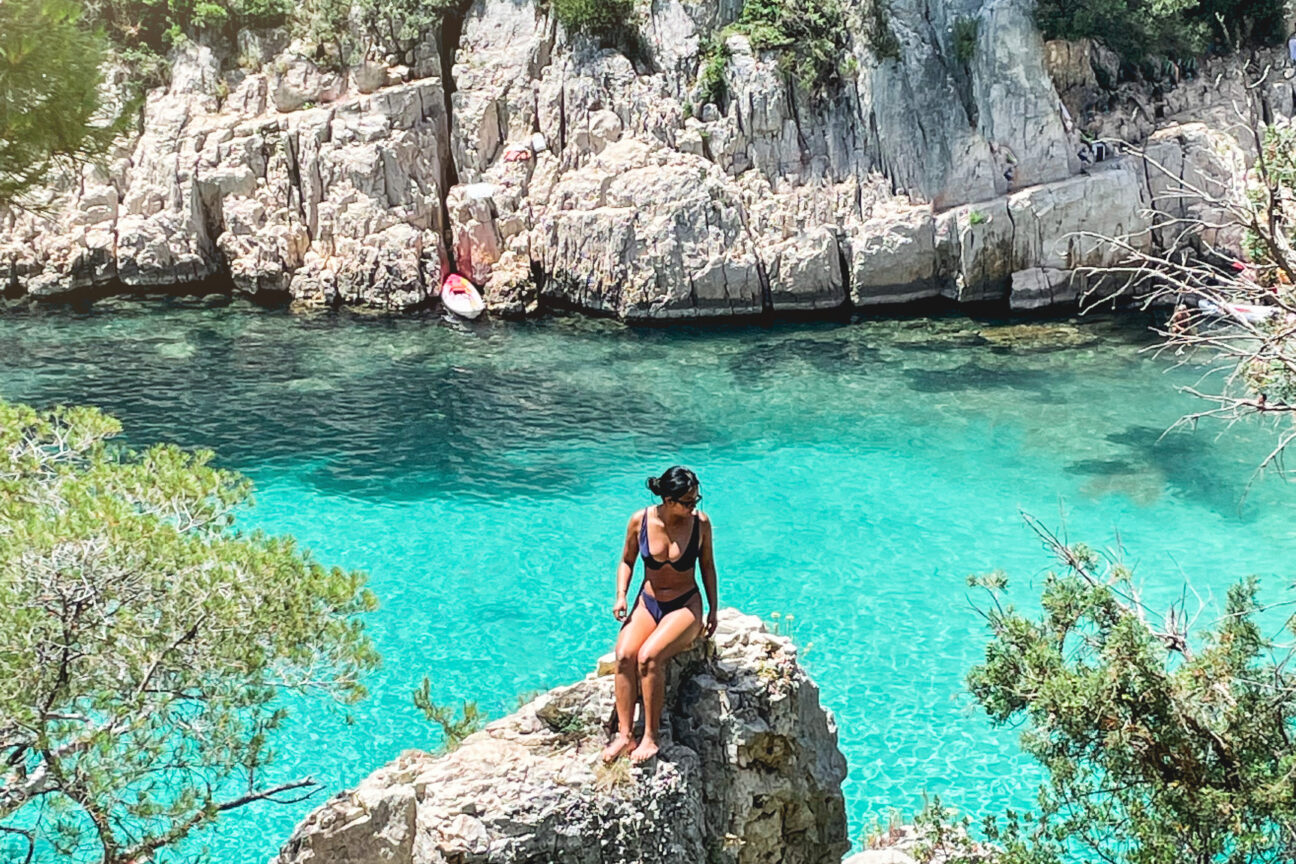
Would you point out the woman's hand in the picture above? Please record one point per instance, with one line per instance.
(619, 608)
(712, 620)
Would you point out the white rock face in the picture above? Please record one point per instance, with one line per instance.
(568, 174)
(749, 771)
(339, 203)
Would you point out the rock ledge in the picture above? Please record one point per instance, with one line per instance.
(749, 772)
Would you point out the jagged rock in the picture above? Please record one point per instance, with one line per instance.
(749, 771)
(642, 203)
(648, 232)
(1193, 172)
(333, 205)
(1071, 69)
(299, 81)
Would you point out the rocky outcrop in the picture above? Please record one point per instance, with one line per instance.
(336, 203)
(557, 172)
(749, 772)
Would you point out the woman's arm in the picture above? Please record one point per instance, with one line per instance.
(707, 564)
(625, 569)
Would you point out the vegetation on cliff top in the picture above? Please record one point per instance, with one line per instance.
(146, 641)
(1137, 29)
(810, 37)
(607, 19)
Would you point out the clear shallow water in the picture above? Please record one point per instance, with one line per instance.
(856, 475)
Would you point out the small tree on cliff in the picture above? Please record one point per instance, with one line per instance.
(144, 641)
(1161, 744)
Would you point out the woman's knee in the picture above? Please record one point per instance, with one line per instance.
(649, 661)
(627, 661)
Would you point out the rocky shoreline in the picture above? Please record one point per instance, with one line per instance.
(261, 173)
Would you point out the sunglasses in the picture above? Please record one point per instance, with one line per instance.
(690, 503)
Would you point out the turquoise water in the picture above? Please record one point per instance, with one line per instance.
(856, 475)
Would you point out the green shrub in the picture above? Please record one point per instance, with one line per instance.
(148, 641)
(715, 56)
(145, 27)
(966, 31)
(976, 217)
(1160, 744)
(1131, 28)
(809, 36)
(49, 93)
(878, 34)
(456, 725)
(1137, 29)
(605, 19)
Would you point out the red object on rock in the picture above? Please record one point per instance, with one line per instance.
(457, 284)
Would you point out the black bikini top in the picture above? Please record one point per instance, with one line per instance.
(685, 561)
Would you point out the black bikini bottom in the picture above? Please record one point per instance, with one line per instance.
(660, 608)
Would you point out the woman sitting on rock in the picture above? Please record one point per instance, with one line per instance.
(670, 537)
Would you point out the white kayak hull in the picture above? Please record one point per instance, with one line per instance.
(460, 297)
(1241, 311)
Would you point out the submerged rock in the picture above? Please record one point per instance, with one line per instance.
(749, 771)
(1038, 338)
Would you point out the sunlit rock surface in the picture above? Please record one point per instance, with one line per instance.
(558, 173)
(749, 771)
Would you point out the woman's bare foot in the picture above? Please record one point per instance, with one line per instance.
(618, 746)
(646, 750)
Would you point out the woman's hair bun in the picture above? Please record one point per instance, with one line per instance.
(674, 482)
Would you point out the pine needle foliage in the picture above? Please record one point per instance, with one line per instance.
(146, 641)
(50, 112)
(456, 724)
(1161, 744)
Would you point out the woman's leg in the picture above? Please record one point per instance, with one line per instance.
(674, 633)
(628, 643)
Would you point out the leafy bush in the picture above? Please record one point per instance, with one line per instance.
(878, 34)
(152, 26)
(1135, 29)
(146, 641)
(607, 19)
(398, 26)
(809, 36)
(401, 23)
(1161, 744)
(966, 31)
(711, 81)
(1131, 28)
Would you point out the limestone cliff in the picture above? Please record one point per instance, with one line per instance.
(749, 772)
(918, 176)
